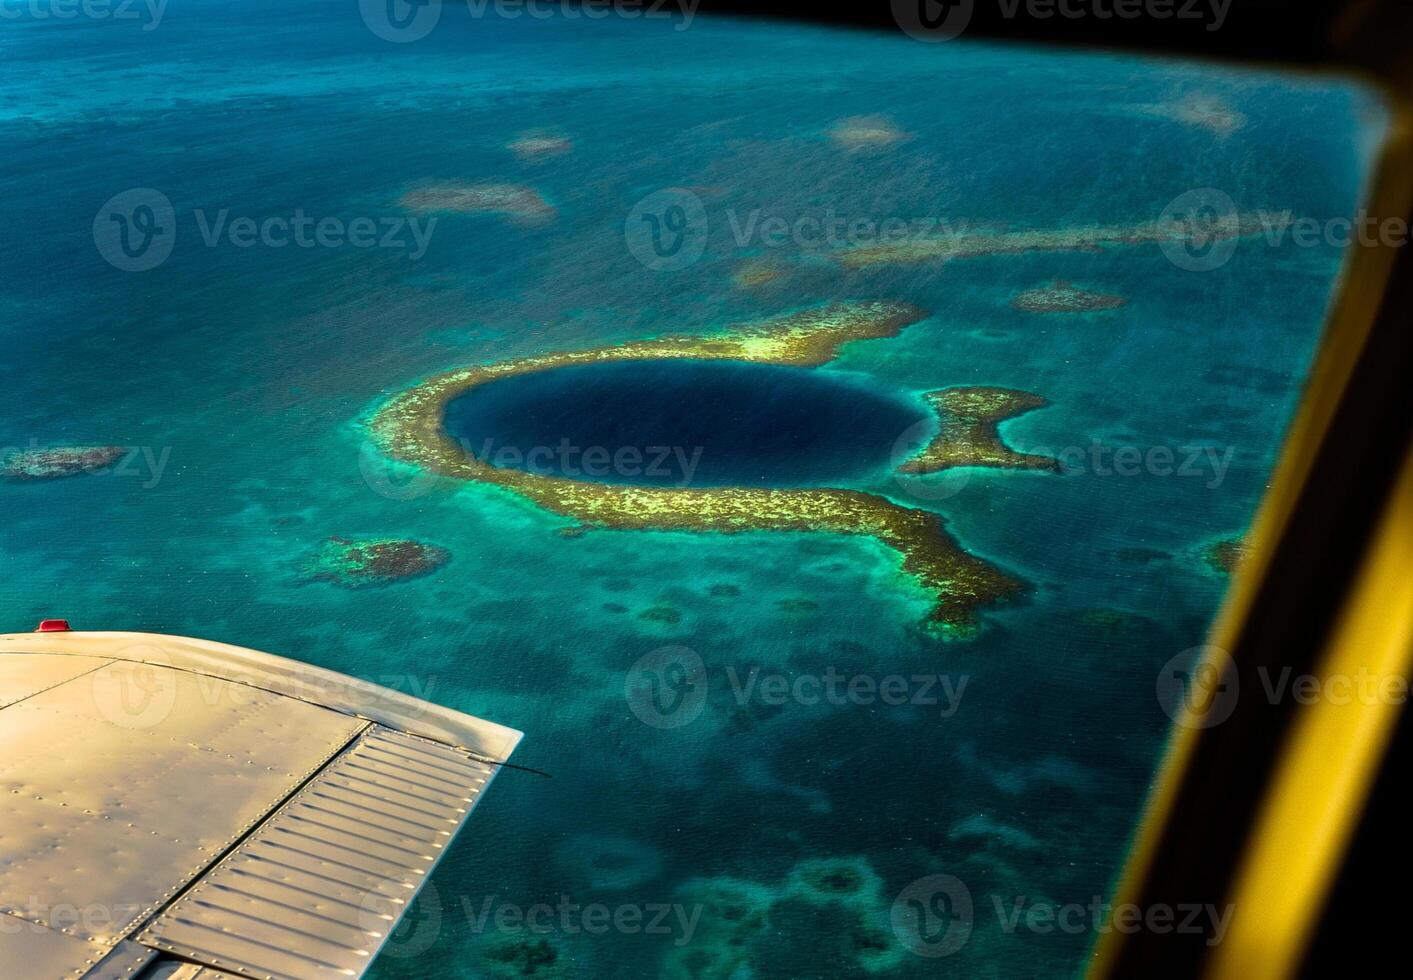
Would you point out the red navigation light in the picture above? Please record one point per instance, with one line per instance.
(53, 626)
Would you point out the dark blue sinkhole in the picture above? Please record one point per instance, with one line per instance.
(683, 422)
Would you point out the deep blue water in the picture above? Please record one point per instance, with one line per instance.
(683, 423)
(241, 372)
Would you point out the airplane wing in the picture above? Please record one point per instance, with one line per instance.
(172, 807)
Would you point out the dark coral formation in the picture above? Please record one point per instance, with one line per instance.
(662, 613)
(838, 880)
(356, 563)
(60, 462)
(738, 915)
(517, 954)
(1224, 555)
(1105, 618)
(747, 717)
(797, 606)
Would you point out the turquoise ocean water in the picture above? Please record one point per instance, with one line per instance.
(242, 374)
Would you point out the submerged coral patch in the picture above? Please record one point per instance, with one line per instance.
(1204, 110)
(1081, 238)
(752, 275)
(866, 132)
(381, 561)
(532, 146)
(56, 463)
(1064, 297)
(514, 201)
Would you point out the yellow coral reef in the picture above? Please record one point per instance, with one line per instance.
(969, 435)
(410, 427)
